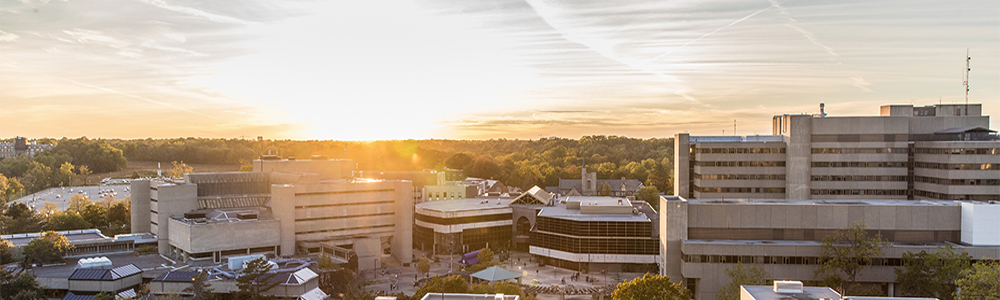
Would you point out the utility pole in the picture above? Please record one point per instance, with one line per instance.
(965, 78)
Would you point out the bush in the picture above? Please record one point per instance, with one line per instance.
(147, 249)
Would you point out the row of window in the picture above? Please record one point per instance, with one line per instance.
(858, 192)
(857, 178)
(494, 236)
(977, 151)
(941, 166)
(776, 260)
(740, 150)
(740, 163)
(444, 195)
(858, 150)
(740, 176)
(463, 220)
(345, 217)
(741, 190)
(346, 228)
(344, 204)
(594, 228)
(646, 246)
(857, 164)
(840, 138)
(942, 196)
(344, 192)
(943, 181)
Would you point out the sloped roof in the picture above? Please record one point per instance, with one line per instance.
(176, 276)
(314, 294)
(534, 196)
(105, 274)
(294, 278)
(965, 129)
(495, 273)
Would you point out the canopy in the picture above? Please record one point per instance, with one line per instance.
(470, 258)
(495, 273)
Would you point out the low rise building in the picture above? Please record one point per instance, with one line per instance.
(597, 233)
(701, 239)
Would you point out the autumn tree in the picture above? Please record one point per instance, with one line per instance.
(458, 161)
(48, 248)
(739, 275)
(78, 202)
(84, 173)
(9, 188)
(932, 274)
(982, 281)
(179, 169)
(650, 287)
(485, 255)
(423, 265)
(849, 251)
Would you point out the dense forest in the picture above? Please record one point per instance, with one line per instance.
(522, 163)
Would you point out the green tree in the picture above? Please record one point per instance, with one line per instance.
(458, 161)
(452, 284)
(741, 274)
(95, 215)
(48, 248)
(255, 281)
(604, 189)
(16, 166)
(64, 175)
(84, 173)
(67, 220)
(179, 169)
(849, 251)
(5, 256)
(104, 296)
(649, 194)
(423, 265)
(982, 281)
(18, 218)
(484, 167)
(932, 274)
(485, 255)
(200, 287)
(650, 287)
(20, 286)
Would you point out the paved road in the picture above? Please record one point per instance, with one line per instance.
(547, 276)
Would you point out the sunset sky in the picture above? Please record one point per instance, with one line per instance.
(472, 69)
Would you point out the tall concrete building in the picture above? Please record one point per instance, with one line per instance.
(944, 152)
(701, 239)
(282, 207)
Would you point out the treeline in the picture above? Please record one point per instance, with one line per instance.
(69, 159)
(109, 215)
(521, 163)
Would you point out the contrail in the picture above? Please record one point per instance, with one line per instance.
(137, 97)
(711, 33)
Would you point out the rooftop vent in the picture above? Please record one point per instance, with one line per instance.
(787, 287)
(319, 157)
(270, 157)
(194, 215)
(246, 216)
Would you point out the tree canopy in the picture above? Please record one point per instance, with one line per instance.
(452, 284)
(255, 281)
(741, 274)
(932, 274)
(982, 281)
(849, 251)
(48, 248)
(20, 286)
(650, 287)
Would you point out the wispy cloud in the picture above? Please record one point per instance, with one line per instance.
(161, 103)
(7, 36)
(710, 33)
(198, 13)
(861, 83)
(805, 33)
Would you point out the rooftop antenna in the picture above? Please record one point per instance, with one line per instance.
(965, 78)
(734, 127)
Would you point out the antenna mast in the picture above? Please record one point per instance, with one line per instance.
(965, 78)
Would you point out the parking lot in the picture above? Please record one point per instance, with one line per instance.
(116, 188)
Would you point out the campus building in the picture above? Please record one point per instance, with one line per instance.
(944, 152)
(20, 146)
(287, 206)
(610, 234)
(701, 239)
(465, 225)
(589, 185)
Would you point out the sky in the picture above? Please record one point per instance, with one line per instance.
(478, 69)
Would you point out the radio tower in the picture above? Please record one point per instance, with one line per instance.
(965, 78)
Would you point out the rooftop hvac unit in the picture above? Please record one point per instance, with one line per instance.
(194, 215)
(246, 216)
(787, 287)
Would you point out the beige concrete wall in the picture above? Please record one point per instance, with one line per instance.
(140, 206)
(798, 157)
(402, 240)
(673, 229)
(682, 164)
(824, 216)
(172, 201)
(202, 238)
(326, 169)
(283, 207)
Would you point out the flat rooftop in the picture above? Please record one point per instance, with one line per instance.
(871, 202)
(561, 212)
(766, 292)
(73, 236)
(467, 204)
(152, 265)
